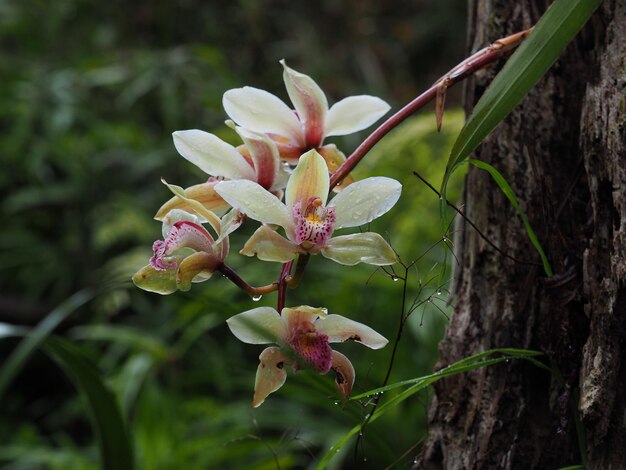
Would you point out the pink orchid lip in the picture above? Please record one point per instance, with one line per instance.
(314, 225)
(183, 234)
(310, 345)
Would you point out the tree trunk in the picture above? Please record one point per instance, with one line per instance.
(563, 150)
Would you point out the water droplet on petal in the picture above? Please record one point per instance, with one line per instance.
(256, 298)
(324, 310)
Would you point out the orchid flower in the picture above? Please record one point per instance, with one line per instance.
(257, 160)
(303, 335)
(313, 121)
(309, 222)
(188, 252)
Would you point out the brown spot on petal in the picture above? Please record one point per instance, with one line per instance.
(344, 373)
(339, 378)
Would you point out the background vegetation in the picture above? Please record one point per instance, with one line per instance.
(90, 93)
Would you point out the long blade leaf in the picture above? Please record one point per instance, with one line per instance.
(38, 335)
(109, 424)
(469, 363)
(553, 32)
(508, 192)
(114, 442)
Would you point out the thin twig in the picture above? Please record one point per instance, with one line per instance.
(481, 234)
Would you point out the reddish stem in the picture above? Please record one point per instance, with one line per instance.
(282, 285)
(470, 65)
(243, 285)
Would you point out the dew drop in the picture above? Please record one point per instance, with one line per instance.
(438, 292)
(394, 278)
(324, 310)
(256, 298)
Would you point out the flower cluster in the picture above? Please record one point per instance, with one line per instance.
(258, 180)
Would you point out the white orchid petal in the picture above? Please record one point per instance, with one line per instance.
(354, 113)
(264, 154)
(340, 329)
(365, 200)
(267, 245)
(356, 248)
(261, 111)
(309, 179)
(260, 325)
(270, 374)
(310, 102)
(211, 154)
(256, 202)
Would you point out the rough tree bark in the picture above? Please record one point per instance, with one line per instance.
(563, 150)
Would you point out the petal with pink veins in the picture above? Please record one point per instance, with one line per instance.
(310, 103)
(264, 154)
(183, 234)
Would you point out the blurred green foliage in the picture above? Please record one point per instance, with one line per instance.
(90, 93)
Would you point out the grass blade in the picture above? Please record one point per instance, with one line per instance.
(508, 192)
(38, 335)
(109, 424)
(469, 363)
(113, 439)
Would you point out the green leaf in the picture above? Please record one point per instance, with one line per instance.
(469, 363)
(37, 336)
(109, 424)
(113, 439)
(508, 192)
(125, 335)
(553, 32)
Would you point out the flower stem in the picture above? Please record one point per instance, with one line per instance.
(293, 281)
(477, 61)
(282, 285)
(243, 285)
